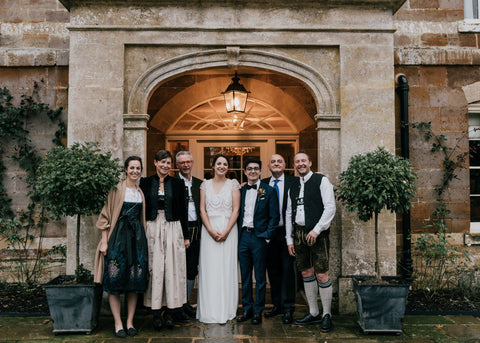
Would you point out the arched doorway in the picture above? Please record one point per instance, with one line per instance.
(188, 112)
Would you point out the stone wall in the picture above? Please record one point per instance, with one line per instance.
(433, 47)
(439, 55)
(34, 47)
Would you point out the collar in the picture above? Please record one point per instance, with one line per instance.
(306, 177)
(184, 178)
(164, 180)
(281, 178)
(256, 183)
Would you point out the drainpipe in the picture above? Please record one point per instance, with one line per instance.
(402, 91)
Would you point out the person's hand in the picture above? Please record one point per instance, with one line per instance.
(311, 238)
(223, 236)
(187, 243)
(104, 248)
(291, 250)
(214, 235)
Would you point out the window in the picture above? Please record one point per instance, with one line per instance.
(287, 150)
(471, 9)
(474, 156)
(236, 154)
(174, 147)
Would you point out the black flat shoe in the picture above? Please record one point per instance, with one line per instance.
(168, 320)
(287, 317)
(180, 317)
(132, 332)
(158, 324)
(120, 333)
(274, 312)
(189, 310)
(245, 316)
(257, 318)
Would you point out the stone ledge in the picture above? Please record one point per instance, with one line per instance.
(33, 57)
(437, 56)
(393, 4)
(472, 239)
(469, 26)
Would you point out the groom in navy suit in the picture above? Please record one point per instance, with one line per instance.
(258, 220)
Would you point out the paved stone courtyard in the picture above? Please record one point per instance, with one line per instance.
(423, 329)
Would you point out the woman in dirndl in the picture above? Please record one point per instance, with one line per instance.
(167, 216)
(121, 261)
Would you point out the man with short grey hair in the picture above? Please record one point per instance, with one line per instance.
(184, 163)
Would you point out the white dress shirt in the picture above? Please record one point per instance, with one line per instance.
(328, 199)
(249, 208)
(192, 213)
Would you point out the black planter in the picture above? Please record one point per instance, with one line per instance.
(73, 307)
(380, 307)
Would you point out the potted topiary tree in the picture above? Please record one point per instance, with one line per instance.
(75, 181)
(372, 182)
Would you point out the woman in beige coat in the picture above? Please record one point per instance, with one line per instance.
(121, 261)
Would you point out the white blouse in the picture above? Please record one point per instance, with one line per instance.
(132, 195)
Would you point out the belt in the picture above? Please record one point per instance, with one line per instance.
(248, 228)
(192, 224)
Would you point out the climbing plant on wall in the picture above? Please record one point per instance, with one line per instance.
(20, 228)
(439, 260)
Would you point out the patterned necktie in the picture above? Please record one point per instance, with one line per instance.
(276, 188)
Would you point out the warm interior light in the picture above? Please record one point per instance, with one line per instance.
(235, 96)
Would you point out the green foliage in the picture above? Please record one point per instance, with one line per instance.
(440, 264)
(76, 180)
(375, 181)
(83, 275)
(20, 229)
(450, 162)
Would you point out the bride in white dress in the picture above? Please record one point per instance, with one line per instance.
(217, 300)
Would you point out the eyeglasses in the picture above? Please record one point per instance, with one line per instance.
(185, 162)
(252, 169)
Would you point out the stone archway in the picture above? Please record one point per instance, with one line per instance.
(327, 107)
(232, 57)
(324, 93)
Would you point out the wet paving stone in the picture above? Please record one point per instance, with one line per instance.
(416, 329)
(463, 331)
(426, 331)
(421, 320)
(464, 319)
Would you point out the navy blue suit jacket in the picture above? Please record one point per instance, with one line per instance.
(266, 215)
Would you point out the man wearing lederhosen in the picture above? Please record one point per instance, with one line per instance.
(184, 162)
(310, 210)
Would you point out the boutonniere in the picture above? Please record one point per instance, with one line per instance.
(261, 193)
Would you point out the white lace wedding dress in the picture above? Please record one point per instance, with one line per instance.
(218, 276)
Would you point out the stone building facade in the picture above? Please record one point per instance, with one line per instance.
(146, 75)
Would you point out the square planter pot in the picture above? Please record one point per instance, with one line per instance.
(73, 307)
(380, 307)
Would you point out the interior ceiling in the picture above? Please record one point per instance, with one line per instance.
(277, 102)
